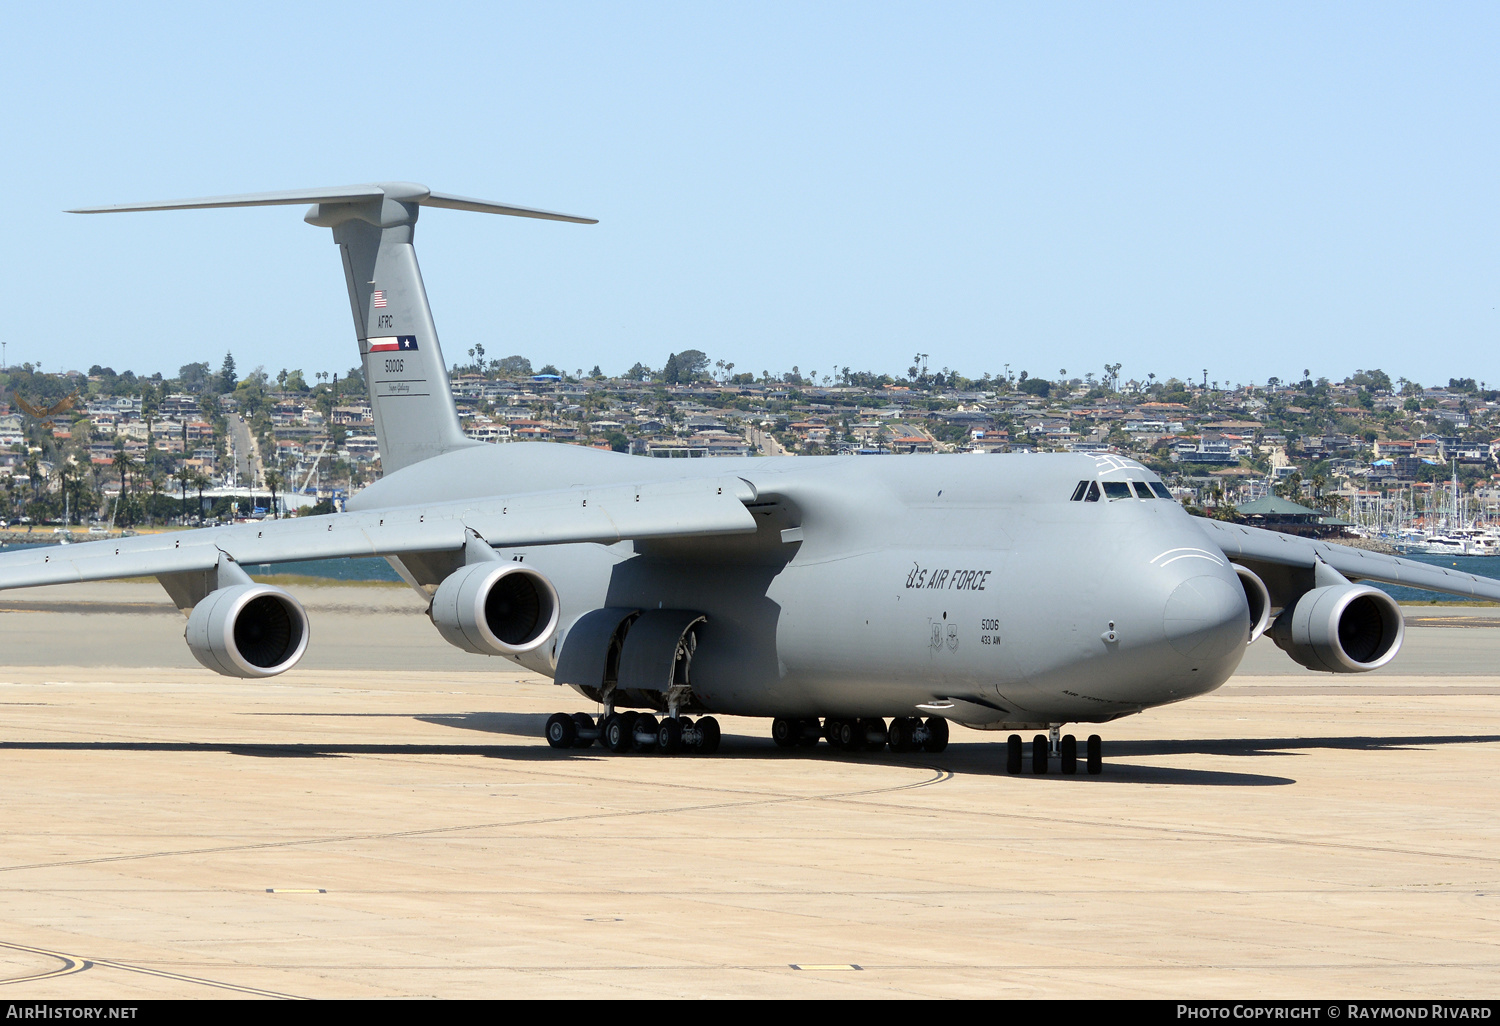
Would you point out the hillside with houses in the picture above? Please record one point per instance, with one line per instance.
(1366, 454)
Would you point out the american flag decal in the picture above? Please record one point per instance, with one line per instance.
(379, 299)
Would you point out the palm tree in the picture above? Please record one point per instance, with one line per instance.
(184, 475)
(154, 478)
(273, 481)
(200, 481)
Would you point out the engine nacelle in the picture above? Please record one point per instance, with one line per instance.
(248, 630)
(1258, 597)
(1341, 628)
(495, 608)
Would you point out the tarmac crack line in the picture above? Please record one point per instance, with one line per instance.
(1206, 834)
(939, 776)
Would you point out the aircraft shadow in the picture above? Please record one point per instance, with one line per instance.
(989, 760)
(516, 753)
(1283, 746)
(983, 759)
(959, 758)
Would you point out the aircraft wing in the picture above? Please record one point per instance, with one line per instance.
(1257, 545)
(605, 515)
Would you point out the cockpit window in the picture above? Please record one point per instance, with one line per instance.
(1083, 486)
(1092, 495)
(1117, 490)
(1142, 490)
(1160, 490)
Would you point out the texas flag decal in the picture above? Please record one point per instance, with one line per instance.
(394, 344)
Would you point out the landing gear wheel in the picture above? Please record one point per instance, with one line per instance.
(1039, 755)
(561, 731)
(873, 733)
(1013, 754)
(900, 734)
(937, 735)
(847, 731)
(785, 733)
(669, 736)
(708, 736)
(810, 732)
(616, 732)
(582, 722)
(643, 733)
(1069, 753)
(1096, 755)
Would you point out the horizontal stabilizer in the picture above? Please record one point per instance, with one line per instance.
(443, 199)
(406, 192)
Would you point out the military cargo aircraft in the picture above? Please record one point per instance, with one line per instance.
(865, 601)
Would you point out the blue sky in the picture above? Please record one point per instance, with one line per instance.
(1251, 189)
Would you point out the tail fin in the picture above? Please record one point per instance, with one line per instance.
(403, 365)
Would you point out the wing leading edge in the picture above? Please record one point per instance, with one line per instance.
(1258, 545)
(603, 515)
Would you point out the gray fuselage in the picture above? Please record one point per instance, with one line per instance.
(875, 585)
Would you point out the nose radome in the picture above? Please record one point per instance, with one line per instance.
(1206, 617)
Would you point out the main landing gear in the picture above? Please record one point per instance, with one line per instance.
(1065, 751)
(630, 731)
(869, 734)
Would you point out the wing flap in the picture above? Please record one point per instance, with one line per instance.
(1257, 544)
(604, 515)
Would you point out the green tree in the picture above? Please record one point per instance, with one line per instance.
(193, 377)
(273, 482)
(513, 367)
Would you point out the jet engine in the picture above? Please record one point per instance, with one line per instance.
(494, 608)
(1258, 596)
(248, 630)
(1341, 628)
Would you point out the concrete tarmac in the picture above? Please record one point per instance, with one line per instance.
(386, 821)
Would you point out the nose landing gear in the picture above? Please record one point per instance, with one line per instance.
(1065, 749)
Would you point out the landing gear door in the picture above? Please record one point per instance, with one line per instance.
(658, 651)
(590, 656)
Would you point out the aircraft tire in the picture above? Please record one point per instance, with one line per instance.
(831, 732)
(1095, 755)
(708, 736)
(561, 731)
(848, 734)
(900, 735)
(1013, 754)
(582, 722)
(809, 733)
(669, 735)
(784, 732)
(616, 732)
(1039, 755)
(937, 735)
(873, 734)
(645, 724)
(1069, 753)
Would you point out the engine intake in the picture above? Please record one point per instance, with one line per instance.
(494, 608)
(1258, 597)
(248, 630)
(1341, 628)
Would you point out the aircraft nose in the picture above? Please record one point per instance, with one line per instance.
(1206, 618)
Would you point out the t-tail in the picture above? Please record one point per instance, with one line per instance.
(415, 417)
